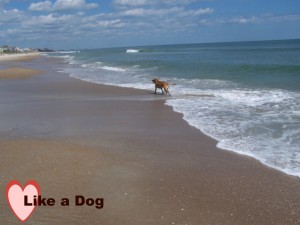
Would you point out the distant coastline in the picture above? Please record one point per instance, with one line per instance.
(6, 49)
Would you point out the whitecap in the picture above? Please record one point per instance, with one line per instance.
(132, 51)
(115, 69)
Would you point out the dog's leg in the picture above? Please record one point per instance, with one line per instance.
(162, 91)
(167, 90)
(155, 91)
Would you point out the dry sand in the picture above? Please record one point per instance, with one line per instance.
(19, 56)
(126, 146)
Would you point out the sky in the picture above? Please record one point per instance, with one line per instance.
(77, 24)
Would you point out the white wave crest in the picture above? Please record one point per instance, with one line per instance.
(132, 51)
(67, 52)
(115, 69)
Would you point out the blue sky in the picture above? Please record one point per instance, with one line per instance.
(71, 24)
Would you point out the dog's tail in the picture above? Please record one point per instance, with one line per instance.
(173, 84)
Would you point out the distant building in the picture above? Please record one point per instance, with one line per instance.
(11, 49)
(3, 49)
(27, 50)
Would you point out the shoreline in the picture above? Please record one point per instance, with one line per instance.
(141, 156)
(231, 150)
(235, 152)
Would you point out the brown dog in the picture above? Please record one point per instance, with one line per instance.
(162, 85)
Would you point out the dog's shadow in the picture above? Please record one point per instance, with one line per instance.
(151, 92)
(158, 94)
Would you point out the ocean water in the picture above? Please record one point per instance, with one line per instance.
(246, 95)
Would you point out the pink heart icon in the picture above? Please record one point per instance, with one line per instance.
(15, 196)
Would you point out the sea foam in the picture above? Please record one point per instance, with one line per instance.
(132, 51)
(257, 123)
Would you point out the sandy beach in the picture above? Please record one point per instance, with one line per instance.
(127, 147)
(19, 56)
(18, 73)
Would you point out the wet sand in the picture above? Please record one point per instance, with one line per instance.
(126, 146)
(18, 73)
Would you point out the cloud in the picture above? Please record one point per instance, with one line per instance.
(145, 20)
(3, 2)
(263, 19)
(47, 28)
(61, 5)
(243, 20)
(66, 18)
(117, 23)
(138, 3)
(197, 12)
(46, 20)
(133, 2)
(282, 18)
(73, 4)
(11, 16)
(40, 6)
(174, 12)
(150, 12)
(63, 22)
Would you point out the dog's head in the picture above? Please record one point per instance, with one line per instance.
(154, 80)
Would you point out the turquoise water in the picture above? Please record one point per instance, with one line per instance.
(246, 95)
(265, 64)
